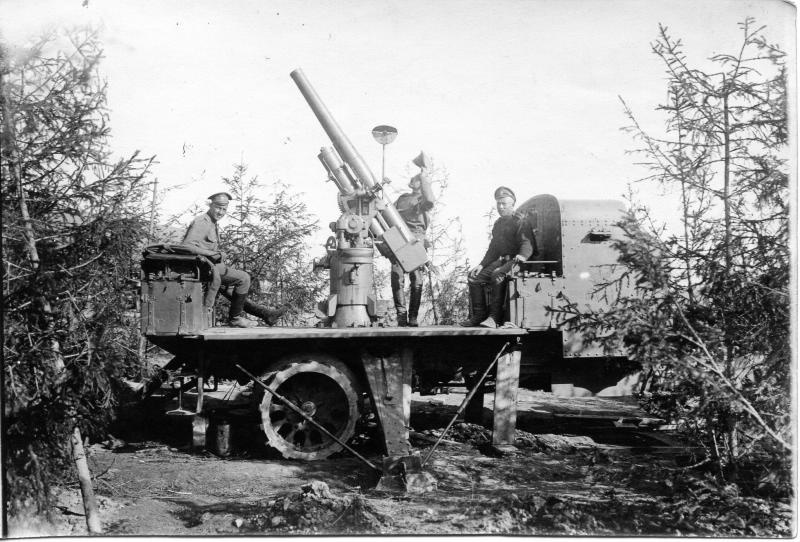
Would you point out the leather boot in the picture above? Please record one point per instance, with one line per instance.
(477, 303)
(413, 306)
(236, 315)
(496, 301)
(269, 315)
(397, 280)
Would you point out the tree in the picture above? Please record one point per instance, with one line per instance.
(710, 318)
(268, 239)
(72, 218)
(447, 290)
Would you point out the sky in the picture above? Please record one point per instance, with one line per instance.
(521, 93)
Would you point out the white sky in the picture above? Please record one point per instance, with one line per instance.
(516, 92)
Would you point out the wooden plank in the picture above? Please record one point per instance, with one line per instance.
(258, 333)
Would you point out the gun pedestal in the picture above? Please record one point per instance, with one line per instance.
(351, 284)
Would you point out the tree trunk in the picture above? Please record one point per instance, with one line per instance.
(685, 202)
(10, 141)
(732, 441)
(85, 479)
(433, 297)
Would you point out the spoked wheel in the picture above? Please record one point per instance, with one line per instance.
(324, 389)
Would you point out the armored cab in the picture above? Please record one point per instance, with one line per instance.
(574, 257)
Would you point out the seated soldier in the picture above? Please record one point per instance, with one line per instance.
(202, 237)
(511, 241)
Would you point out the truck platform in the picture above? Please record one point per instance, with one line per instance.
(325, 371)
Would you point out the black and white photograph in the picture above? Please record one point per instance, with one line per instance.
(297, 268)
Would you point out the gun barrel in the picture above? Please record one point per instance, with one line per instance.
(350, 156)
(340, 141)
(336, 170)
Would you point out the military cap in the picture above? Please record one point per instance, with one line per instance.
(423, 160)
(220, 197)
(504, 192)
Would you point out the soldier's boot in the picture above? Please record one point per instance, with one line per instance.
(477, 303)
(269, 315)
(413, 306)
(496, 298)
(399, 298)
(236, 315)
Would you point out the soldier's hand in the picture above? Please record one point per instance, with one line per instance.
(520, 258)
(503, 270)
(474, 271)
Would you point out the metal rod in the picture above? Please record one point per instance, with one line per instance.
(383, 162)
(306, 417)
(464, 403)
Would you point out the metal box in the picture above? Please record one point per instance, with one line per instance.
(574, 258)
(172, 294)
(410, 255)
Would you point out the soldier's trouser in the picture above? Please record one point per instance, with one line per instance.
(227, 276)
(399, 286)
(493, 275)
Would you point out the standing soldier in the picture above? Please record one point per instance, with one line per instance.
(203, 238)
(512, 240)
(414, 208)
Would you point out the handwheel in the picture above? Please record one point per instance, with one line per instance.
(324, 389)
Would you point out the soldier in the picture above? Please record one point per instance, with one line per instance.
(414, 208)
(203, 238)
(512, 240)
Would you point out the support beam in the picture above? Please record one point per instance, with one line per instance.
(505, 400)
(389, 379)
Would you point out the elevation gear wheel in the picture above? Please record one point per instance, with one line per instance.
(322, 387)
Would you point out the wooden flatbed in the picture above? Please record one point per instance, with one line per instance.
(277, 333)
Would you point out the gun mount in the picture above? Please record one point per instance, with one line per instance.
(368, 221)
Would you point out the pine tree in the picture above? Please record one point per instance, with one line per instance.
(710, 320)
(266, 235)
(72, 220)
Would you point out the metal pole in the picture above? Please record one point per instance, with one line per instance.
(383, 161)
(306, 417)
(464, 403)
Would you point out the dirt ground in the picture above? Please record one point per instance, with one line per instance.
(582, 466)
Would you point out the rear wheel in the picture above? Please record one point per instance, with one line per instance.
(324, 389)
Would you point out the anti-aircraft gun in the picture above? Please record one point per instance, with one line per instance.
(311, 386)
(368, 221)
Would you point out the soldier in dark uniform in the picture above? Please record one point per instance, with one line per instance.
(414, 208)
(203, 238)
(512, 240)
